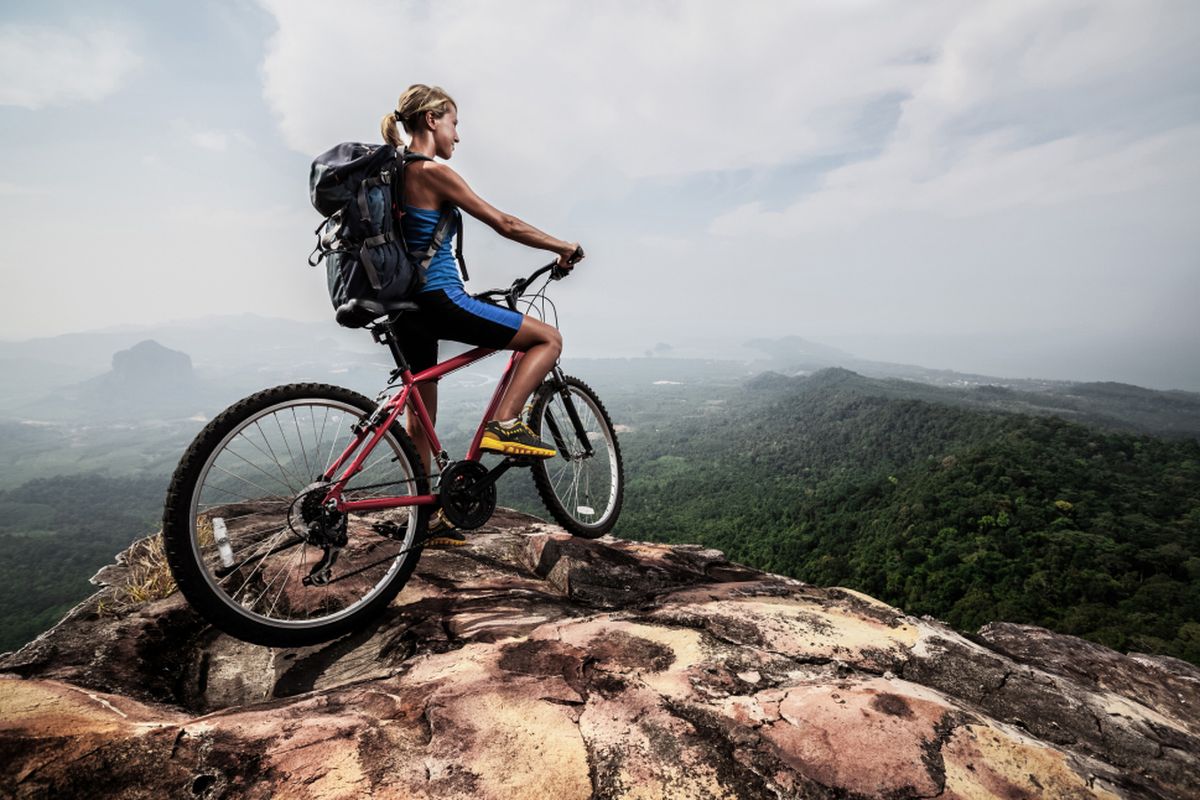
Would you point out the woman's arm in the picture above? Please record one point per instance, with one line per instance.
(453, 189)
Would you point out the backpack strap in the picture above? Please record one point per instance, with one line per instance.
(462, 265)
(450, 216)
(439, 236)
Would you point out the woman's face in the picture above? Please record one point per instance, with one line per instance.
(445, 133)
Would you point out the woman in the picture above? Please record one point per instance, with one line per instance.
(430, 117)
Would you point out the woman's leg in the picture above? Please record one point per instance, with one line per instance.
(429, 396)
(542, 345)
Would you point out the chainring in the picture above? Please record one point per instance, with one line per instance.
(460, 507)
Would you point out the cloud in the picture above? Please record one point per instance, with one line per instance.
(42, 66)
(663, 89)
(942, 105)
(993, 174)
(217, 141)
(1025, 105)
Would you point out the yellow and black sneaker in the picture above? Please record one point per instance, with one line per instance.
(442, 533)
(514, 439)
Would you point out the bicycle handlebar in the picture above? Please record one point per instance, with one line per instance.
(514, 292)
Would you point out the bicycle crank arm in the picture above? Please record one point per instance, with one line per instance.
(494, 475)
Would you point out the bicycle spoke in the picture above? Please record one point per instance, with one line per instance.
(275, 458)
(224, 573)
(587, 491)
(284, 570)
(317, 439)
(240, 497)
(332, 447)
(286, 443)
(269, 551)
(233, 452)
(300, 440)
(557, 481)
(252, 483)
(320, 437)
(242, 435)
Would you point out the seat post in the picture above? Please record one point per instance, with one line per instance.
(386, 334)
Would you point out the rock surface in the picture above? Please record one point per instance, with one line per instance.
(532, 664)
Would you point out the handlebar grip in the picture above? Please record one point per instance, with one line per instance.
(576, 257)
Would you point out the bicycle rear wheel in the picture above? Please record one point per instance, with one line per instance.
(583, 486)
(248, 539)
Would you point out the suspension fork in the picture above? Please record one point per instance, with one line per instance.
(559, 384)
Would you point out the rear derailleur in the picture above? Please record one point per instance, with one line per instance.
(321, 525)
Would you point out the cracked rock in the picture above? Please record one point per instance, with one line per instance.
(532, 664)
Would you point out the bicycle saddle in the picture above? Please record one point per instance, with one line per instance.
(360, 313)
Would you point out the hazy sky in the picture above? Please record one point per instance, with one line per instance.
(1007, 186)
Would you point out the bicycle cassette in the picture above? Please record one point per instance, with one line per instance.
(464, 502)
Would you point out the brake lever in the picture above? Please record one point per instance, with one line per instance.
(557, 273)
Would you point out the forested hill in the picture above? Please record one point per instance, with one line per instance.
(967, 515)
(1106, 404)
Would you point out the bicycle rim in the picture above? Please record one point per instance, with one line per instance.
(585, 486)
(248, 531)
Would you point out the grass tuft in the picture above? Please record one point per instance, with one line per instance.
(148, 578)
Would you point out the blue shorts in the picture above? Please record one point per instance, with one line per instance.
(455, 315)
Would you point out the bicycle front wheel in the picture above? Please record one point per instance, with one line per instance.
(248, 539)
(583, 486)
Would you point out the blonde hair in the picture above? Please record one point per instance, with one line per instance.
(410, 111)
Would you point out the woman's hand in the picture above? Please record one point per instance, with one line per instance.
(569, 255)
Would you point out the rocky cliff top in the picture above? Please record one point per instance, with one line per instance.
(531, 664)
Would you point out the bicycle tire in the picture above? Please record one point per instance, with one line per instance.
(192, 518)
(578, 515)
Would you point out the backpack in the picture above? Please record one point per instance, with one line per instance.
(358, 188)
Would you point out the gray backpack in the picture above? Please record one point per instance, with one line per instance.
(357, 188)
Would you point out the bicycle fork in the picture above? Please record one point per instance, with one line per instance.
(560, 386)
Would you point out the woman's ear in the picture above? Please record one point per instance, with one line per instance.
(430, 120)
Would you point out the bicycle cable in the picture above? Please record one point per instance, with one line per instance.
(541, 300)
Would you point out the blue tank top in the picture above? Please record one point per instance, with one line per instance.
(418, 226)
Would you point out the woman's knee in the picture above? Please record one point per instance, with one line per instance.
(554, 338)
(535, 333)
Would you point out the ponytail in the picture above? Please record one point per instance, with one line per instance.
(391, 131)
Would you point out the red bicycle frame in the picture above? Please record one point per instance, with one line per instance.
(385, 416)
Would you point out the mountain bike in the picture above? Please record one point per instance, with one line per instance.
(298, 513)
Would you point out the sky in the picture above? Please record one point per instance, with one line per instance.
(1006, 187)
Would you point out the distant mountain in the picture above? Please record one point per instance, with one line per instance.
(145, 363)
(793, 355)
(145, 380)
(1114, 406)
(233, 341)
